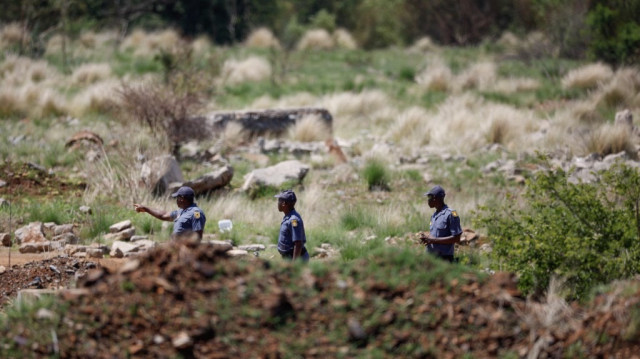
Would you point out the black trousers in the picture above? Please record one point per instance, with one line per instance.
(289, 254)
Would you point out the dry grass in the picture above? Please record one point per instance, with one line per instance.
(621, 91)
(411, 129)
(478, 76)
(201, 45)
(55, 44)
(147, 44)
(423, 44)
(466, 123)
(310, 128)
(365, 103)
(262, 38)
(436, 76)
(344, 40)
(586, 77)
(609, 139)
(87, 74)
(515, 84)
(553, 315)
(316, 39)
(99, 97)
(9, 102)
(301, 99)
(12, 35)
(234, 135)
(252, 69)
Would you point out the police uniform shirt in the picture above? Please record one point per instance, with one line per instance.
(444, 223)
(291, 230)
(190, 219)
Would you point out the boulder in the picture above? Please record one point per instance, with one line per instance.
(123, 235)
(160, 172)
(119, 249)
(63, 228)
(211, 181)
(267, 122)
(276, 176)
(120, 226)
(5, 239)
(219, 246)
(35, 247)
(32, 233)
(68, 238)
(252, 247)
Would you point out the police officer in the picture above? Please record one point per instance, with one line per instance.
(292, 239)
(187, 220)
(444, 229)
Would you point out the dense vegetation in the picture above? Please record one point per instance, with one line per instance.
(606, 30)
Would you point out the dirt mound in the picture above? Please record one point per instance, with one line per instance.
(54, 273)
(192, 301)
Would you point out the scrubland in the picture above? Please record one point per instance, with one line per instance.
(455, 109)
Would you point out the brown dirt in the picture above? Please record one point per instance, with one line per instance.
(51, 273)
(192, 301)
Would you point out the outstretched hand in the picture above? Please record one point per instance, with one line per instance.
(139, 207)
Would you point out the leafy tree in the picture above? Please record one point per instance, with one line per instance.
(615, 30)
(587, 233)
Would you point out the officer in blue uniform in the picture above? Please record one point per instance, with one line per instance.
(187, 220)
(292, 239)
(444, 229)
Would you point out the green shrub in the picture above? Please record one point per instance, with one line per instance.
(615, 31)
(377, 175)
(586, 233)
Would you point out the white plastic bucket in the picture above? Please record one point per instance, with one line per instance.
(225, 225)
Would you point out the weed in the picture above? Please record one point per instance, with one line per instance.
(376, 174)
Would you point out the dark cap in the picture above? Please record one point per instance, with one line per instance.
(436, 191)
(287, 195)
(184, 191)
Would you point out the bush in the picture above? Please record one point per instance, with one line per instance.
(588, 234)
(615, 31)
(376, 174)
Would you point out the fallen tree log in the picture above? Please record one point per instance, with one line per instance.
(266, 122)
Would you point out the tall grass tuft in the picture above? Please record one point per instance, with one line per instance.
(13, 35)
(344, 40)
(262, 38)
(478, 76)
(91, 73)
(436, 76)
(610, 139)
(621, 91)
(316, 39)
(587, 77)
(252, 69)
(310, 128)
(376, 174)
(411, 129)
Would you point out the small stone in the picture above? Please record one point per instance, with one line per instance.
(182, 341)
(2, 269)
(45, 314)
(237, 253)
(85, 209)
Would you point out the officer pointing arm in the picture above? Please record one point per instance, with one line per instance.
(189, 218)
(444, 228)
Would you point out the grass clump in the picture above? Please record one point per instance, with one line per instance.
(376, 174)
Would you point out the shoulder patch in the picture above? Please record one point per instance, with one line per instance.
(196, 214)
(454, 213)
(294, 222)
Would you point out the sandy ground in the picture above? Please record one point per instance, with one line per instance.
(20, 258)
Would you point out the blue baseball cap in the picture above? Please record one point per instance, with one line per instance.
(436, 191)
(287, 195)
(184, 191)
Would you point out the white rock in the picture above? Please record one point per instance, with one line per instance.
(277, 175)
(120, 226)
(32, 233)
